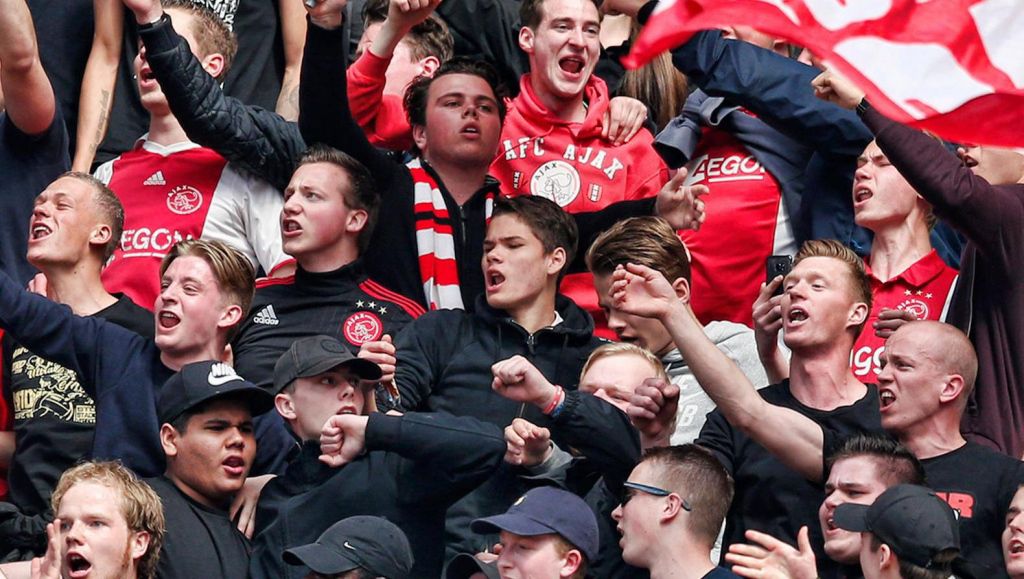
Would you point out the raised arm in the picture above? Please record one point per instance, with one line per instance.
(29, 98)
(794, 439)
(324, 113)
(260, 141)
(293, 33)
(97, 93)
(988, 215)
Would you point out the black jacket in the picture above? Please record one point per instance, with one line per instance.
(416, 466)
(444, 365)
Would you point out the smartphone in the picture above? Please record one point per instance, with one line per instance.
(775, 266)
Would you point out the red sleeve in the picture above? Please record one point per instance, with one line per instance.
(382, 117)
(648, 172)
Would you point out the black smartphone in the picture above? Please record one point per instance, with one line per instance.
(775, 266)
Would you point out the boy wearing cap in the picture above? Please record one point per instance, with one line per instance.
(547, 533)
(356, 548)
(206, 413)
(908, 532)
(356, 461)
(672, 509)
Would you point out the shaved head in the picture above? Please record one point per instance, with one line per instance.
(947, 347)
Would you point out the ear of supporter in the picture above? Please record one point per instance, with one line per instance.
(367, 333)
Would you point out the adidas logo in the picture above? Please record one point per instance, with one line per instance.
(266, 316)
(155, 179)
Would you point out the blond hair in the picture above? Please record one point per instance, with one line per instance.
(140, 506)
(232, 271)
(622, 349)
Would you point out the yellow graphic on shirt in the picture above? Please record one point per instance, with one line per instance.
(54, 391)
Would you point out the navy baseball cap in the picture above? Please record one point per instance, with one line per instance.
(362, 542)
(315, 355)
(200, 382)
(546, 510)
(911, 519)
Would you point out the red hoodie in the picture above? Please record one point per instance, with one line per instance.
(382, 117)
(571, 164)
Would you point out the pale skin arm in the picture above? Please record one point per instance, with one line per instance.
(97, 94)
(293, 33)
(29, 98)
(528, 444)
(6, 448)
(403, 15)
(793, 438)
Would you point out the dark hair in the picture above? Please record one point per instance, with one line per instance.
(550, 223)
(941, 565)
(416, 94)
(361, 193)
(213, 35)
(649, 241)
(896, 464)
(859, 283)
(108, 207)
(531, 12)
(699, 478)
(428, 38)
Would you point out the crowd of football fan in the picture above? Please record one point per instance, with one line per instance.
(437, 288)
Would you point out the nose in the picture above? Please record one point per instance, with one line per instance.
(235, 438)
(615, 322)
(617, 514)
(42, 210)
(73, 532)
(291, 205)
(1017, 523)
(470, 111)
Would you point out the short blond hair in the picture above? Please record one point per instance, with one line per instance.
(624, 348)
(859, 282)
(140, 506)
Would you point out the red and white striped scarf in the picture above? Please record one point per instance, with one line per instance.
(434, 241)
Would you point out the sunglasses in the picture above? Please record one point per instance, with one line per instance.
(632, 488)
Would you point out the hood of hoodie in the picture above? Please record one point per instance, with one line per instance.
(534, 114)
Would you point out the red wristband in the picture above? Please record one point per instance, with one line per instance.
(555, 401)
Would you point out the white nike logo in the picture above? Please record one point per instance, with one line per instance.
(347, 546)
(216, 380)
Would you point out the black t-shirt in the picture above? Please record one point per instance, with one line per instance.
(199, 541)
(27, 165)
(770, 497)
(54, 418)
(256, 73)
(979, 484)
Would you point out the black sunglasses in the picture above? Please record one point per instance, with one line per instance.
(632, 488)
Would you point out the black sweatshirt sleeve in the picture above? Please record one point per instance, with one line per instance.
(600, 432)
(260, 141)
(446, 456)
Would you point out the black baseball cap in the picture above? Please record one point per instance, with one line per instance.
(200, 382)
(911, 519)
(547, 510)
(315, 355)
(370, 543)
(464, 565)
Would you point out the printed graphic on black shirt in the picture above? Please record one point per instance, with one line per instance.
(225, 10)
(45, 389)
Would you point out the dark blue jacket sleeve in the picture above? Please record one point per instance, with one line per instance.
(84, 345)
(258, 140)
(775, 88)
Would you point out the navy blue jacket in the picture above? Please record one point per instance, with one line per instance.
(120, 369)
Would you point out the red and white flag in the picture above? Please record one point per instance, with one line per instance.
(953, 67)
